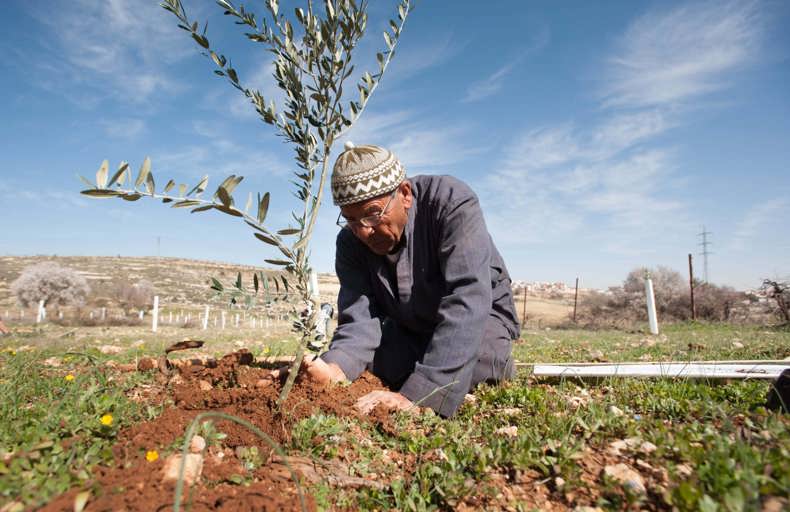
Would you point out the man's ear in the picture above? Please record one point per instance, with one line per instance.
(404, 189)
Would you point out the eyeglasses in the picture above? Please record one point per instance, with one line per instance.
(369, 221)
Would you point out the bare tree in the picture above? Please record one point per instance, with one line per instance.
(51, 283)
(134, 295)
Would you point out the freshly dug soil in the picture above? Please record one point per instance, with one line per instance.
(231, 386)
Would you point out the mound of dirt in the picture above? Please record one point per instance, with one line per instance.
(232, 386)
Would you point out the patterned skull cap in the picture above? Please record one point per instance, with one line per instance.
(363, 172)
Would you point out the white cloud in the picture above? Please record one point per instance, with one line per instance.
(114, 48)
(494, 82)
(674, 56)
(123, 128)
(772, 212)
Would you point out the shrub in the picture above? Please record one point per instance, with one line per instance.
(51, 283)
(137, 295)
(779, 291)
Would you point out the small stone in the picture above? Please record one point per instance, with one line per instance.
(197, 445)
(683, 470)
(510, 411)
(737, 344)
(511, 431)
(559, 482)
(587, 508)
(597, 355)
(626, 477)
(147, 363)
(52, 361)
(110, 349)
(193, 467)
(616, 447)
(470, 398)
(647, 447)
(774, 504)
(615, 411)
(205, 385)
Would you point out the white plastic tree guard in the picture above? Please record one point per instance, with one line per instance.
(690, 370)
(650, 298)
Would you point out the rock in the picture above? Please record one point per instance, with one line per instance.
(205, 385)
(737, 344)
(586, 508)
(197, 445)
(511, 431)
(138, 343)
(147, 363)
(110, 349)
(683, 470)
(626, 477)
(193, 467)
(470, 398)
(559, 482)
(510, 411)
(52, 361)
(616, 447)
(615, 411)
(774, 504)
(647, 447)
(596, 355)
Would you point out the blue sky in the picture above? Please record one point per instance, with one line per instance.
(600, 136)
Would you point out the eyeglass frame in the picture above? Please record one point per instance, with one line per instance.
(349, 224)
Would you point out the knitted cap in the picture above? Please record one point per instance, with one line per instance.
(363, 172)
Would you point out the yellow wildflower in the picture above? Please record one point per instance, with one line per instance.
(69, 377)
(106, 420)
(151, 455)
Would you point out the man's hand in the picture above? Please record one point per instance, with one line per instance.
(317, 370)
(322, 372)
(389, 399)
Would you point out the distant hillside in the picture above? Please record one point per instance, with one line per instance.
(176, 280)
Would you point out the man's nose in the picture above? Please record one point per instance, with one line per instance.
(361, 231)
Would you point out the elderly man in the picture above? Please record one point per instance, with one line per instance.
(425, 302)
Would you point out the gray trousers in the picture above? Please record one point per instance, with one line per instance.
(400, 350)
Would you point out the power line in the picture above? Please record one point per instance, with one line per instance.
(705, 252)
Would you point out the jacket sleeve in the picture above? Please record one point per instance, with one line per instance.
(358, 332)
(444, 376)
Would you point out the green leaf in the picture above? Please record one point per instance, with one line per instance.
(216, 285)
(170, 184)
(255, 282)
(185, 204)
(224, 197)
(181, 189)
(101, 174)
(289, 231)
(202, 208)
(285, 282)
(200, 187)
(132, 196)
(388, 40)
(330, 10)
(238, 281)
(300, 243)
(249, 203)
(264, 238)
(120, 175)
(201, 40)
(94, 192)
(263, 207)
(149, 183)
(228, 210)
(145, 169)
(278, 262)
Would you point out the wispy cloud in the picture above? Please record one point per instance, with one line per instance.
(123, 128)
(674, 56)
(113, 48)
(494, 82)
(772, 212)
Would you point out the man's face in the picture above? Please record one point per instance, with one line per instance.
(383, 237)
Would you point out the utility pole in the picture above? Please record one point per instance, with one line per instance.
(575, 299)
(705, 252)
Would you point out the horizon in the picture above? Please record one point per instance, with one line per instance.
(599, 138)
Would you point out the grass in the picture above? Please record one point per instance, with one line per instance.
(696, 445)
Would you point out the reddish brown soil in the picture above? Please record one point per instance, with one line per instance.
(134, 484)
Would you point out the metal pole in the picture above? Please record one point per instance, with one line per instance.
(524, 311)
(691, 289)
(575, 299)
